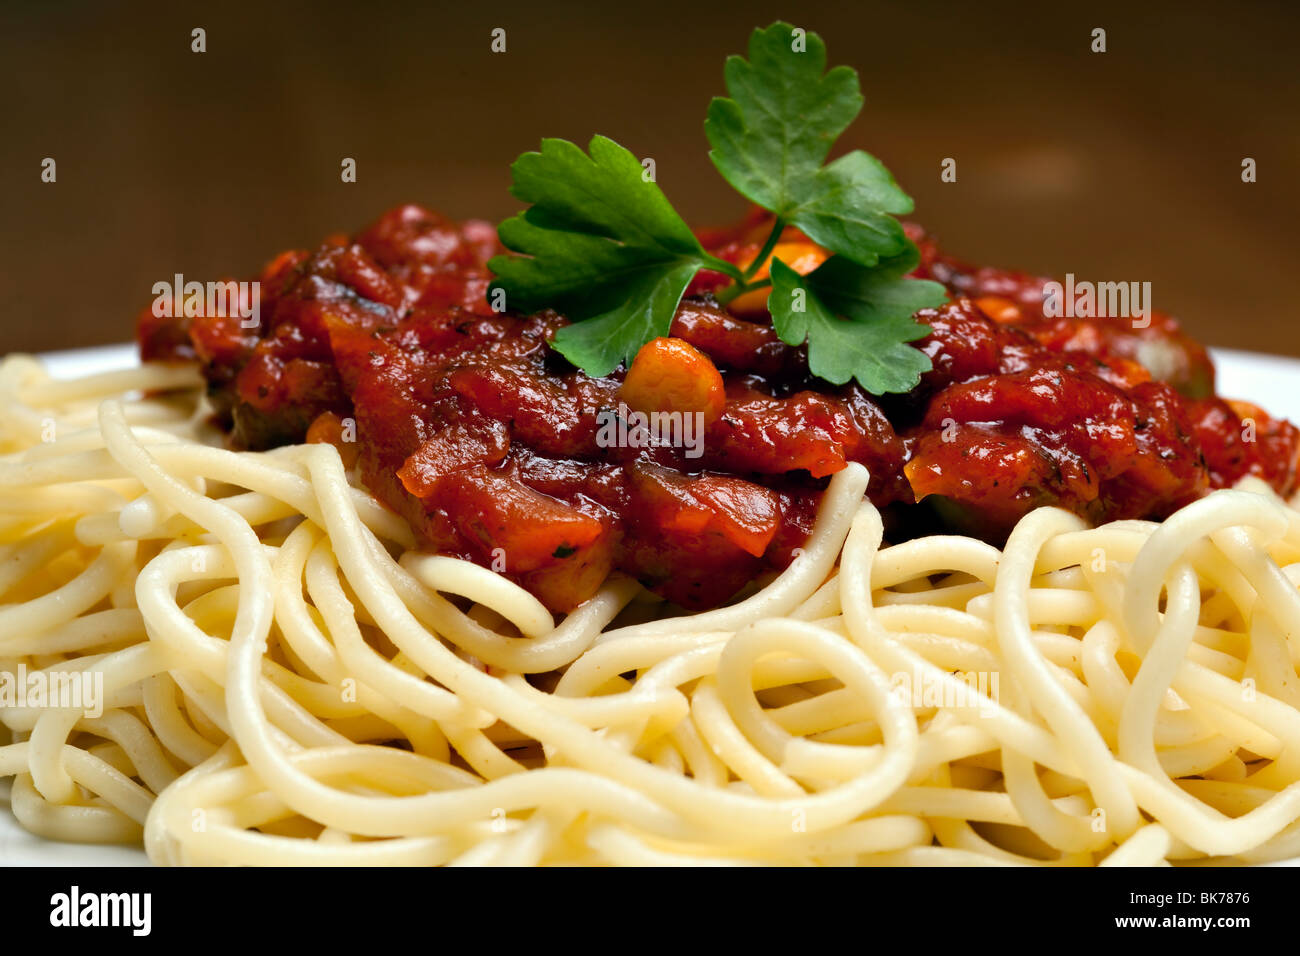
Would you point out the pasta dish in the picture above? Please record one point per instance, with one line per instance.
(594, 539)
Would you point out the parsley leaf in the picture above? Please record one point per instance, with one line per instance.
(602, 342)
(771, 137)
(870, 344)
(600, 243)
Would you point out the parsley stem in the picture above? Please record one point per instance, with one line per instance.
(723, 266)
(778, 227)
(740, 288)
(742, 283)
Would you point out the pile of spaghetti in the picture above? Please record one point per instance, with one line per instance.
(287, 681)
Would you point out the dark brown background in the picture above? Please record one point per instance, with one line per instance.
(1119, 166)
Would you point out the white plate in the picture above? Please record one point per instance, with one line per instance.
(1270, 381)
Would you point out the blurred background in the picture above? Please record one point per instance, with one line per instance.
(1122, 166)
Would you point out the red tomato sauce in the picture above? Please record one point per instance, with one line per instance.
(490, 444)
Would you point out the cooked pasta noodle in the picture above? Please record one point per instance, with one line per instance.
(284, 680)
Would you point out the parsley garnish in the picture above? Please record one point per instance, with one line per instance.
(771, 138)
(606, 247)
(602, 244)
(878, 305)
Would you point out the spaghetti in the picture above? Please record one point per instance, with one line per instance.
(286, 680)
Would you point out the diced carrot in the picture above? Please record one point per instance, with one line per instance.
(670, 375)
(328, 428)
(998, 309)
(802, 255)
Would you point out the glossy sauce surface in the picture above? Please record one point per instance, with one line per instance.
(496, 450)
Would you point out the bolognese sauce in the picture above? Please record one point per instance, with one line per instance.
(465, 422)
